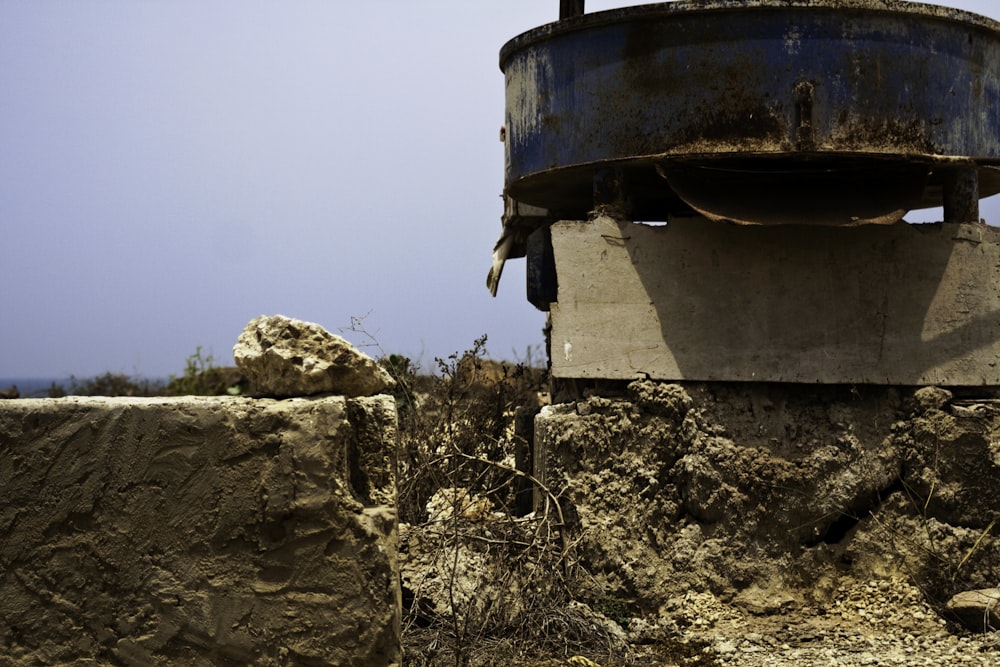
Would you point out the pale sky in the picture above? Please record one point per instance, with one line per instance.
(170, 169)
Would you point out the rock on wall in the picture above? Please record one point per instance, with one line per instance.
(225, 531)
(767, 495)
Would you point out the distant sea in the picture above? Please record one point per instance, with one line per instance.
(39, 387)
(35, 387)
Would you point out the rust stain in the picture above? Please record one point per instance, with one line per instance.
(681, 89)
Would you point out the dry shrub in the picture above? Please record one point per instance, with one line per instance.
(485, 583)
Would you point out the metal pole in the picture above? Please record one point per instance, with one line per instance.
(570, 8)
(961, 195)
(610, 196)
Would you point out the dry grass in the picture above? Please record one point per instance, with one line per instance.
(485, 581)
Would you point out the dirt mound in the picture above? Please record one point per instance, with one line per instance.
(735, 488)
(712, 523)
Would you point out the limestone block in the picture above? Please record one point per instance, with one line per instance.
(287, 357)
(979, 610)
(199, 531)
(696, 300)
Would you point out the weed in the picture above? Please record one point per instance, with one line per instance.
(202, 377)
(937, 558)
(973, 549)
(484, 583)
(110, 384)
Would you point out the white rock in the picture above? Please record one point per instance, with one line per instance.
(287, 357)
(979, 610)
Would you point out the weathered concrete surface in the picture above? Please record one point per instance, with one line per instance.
(198, 531)
(770, 496)
(694, 300)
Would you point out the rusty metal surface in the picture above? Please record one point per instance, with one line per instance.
(773, 86)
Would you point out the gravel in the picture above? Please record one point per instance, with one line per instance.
(884, 622)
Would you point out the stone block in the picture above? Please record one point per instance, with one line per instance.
(696, 300)
(199, 531)
(978, 611)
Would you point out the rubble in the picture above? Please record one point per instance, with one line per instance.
(979, 611)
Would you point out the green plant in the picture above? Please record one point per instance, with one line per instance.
(195, 367)
(404, 372)
(111, 384)
(614, 608)
(55, 391)
(202, 377)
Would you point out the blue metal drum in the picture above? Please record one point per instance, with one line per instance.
(757, 111)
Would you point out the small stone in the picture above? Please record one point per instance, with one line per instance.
(726, 646)
(931, 398)
(281, 356)
(979, 610)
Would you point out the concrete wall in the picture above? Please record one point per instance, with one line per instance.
(198, 531)
(697, 300)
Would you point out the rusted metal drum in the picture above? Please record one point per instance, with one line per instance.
(770, 111)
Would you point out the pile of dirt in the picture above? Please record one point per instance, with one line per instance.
(731, 488)
(727, 523)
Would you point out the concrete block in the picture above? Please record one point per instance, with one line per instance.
(697, 300)
(199, 531)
